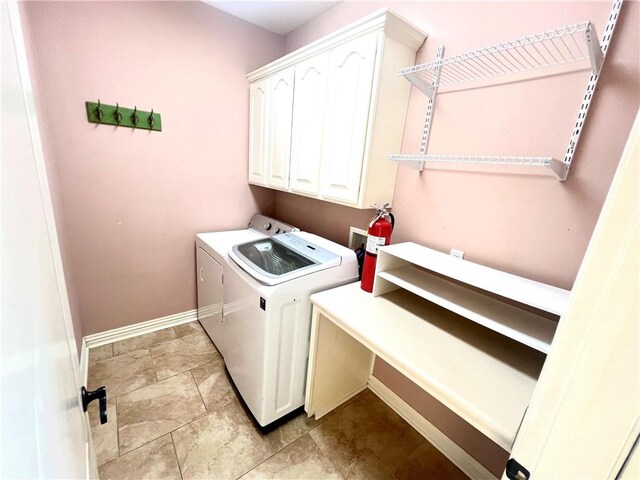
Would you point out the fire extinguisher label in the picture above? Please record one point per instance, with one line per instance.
(373, 243)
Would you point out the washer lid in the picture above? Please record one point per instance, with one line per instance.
(277, 259)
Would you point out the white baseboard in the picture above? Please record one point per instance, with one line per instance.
(84, 362)
(110, 336)
(465, 462)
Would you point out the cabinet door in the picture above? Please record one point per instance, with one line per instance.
(210, 296)
(308, 120)
(350, 80)
(257, 131)
(279, 131)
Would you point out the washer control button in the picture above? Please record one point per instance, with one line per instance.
(267, 226)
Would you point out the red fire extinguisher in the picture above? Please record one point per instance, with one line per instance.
(379, 234)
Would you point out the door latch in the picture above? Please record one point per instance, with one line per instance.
(515, 471)
(99, 394)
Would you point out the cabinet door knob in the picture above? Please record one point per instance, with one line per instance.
(202, 274)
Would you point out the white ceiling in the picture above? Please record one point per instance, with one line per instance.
(277, 17)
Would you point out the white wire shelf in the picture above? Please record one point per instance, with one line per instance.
(548, 165)
(533, 53)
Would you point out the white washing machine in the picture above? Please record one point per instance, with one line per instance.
(211, 256)
(261, 322)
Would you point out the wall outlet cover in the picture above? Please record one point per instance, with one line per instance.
(457, 253)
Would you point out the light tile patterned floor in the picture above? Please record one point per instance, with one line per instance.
(174, 414)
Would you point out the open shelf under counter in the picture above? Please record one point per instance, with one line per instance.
(484, 377)
(521, 325)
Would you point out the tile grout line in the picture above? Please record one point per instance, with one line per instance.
(256, 466)
(180, 373)
(294, 440)
(117, 429)
(327, 456)
(148, 348)
(156, 375)
(166, 433)
(175, 450)
(170, 432)
(199, 392)
(201, 417)
(113, 354)
(135, 449)
(115, 398)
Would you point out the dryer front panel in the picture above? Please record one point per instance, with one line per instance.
(209, 279)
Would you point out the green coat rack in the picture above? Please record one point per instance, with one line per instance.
(123, 117)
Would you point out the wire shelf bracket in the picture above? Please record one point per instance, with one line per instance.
(430, 106)
(563, 49)
(591, 85)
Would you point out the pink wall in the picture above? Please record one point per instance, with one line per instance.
(531, 226)
(129, 202)
(535, 227)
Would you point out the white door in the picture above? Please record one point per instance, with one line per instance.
(279, 130)
(584, 416)
(210, 296)
(44, 433)
(350, 80)
(308, 118)
(257, 131)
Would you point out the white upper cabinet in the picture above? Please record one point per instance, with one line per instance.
(278, 145)
(257, 134)
(335, 109)
(346, 120)
(309, 101)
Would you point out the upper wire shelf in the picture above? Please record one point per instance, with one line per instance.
(533, 53)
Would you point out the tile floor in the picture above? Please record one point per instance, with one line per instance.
(173, 414)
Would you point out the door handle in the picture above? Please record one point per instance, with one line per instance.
(201, 274)
(101, 395)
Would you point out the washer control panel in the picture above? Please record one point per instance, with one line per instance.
(306, 248)
(269, 226)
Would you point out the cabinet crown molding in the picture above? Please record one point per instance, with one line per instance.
(385, 20)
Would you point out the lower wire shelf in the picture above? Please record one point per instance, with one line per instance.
(549, 165)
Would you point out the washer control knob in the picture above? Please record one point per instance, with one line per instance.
(267, 226)
(277, 230)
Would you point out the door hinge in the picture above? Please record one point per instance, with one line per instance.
(515, 471)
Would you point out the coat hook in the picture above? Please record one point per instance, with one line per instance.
(135, 119)
(98, 112)
(150, 120)
(117, 114)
